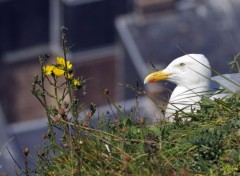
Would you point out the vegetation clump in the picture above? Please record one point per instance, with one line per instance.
(121, 143)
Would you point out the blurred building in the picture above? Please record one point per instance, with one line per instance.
(32, 28)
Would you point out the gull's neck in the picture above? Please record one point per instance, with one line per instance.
(184, 99)
(182, 91)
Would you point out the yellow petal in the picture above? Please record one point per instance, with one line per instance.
(76, 82)
(48, 69)
(61, 62)
(57, 71)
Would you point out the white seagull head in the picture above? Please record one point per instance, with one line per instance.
(188, 70)
(191, 73)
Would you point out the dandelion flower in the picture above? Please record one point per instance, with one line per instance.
(61, 62)
(76, 82)
(57, 71)
(48, 69)
(69, 75)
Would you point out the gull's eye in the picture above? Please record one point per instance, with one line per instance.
(181, 64)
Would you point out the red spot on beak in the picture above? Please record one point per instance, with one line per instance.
(152, 80)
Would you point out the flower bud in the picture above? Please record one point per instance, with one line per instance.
(55, 119)
(26, 151)
(65, 104)
(88, 115)
(65, 145)
(128, 158)
(61, 112)
(85, 124)
(75, 171)
(106, 91)
(124, 129)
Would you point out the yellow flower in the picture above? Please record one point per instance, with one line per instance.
(61, 63)
(76, 82)
(69, 75)
(48, 69)
(57, 71)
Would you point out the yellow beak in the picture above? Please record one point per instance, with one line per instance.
(156, 76)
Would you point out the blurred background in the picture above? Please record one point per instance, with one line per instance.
(113, 42)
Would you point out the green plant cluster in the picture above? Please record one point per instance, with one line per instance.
(127, 146)
(123, 144)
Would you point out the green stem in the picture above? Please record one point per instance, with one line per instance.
(46, 107)
(64, 94)
(72, 104)
(56, 93)
(26, 166)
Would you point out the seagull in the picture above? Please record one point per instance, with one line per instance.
(192, 74)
